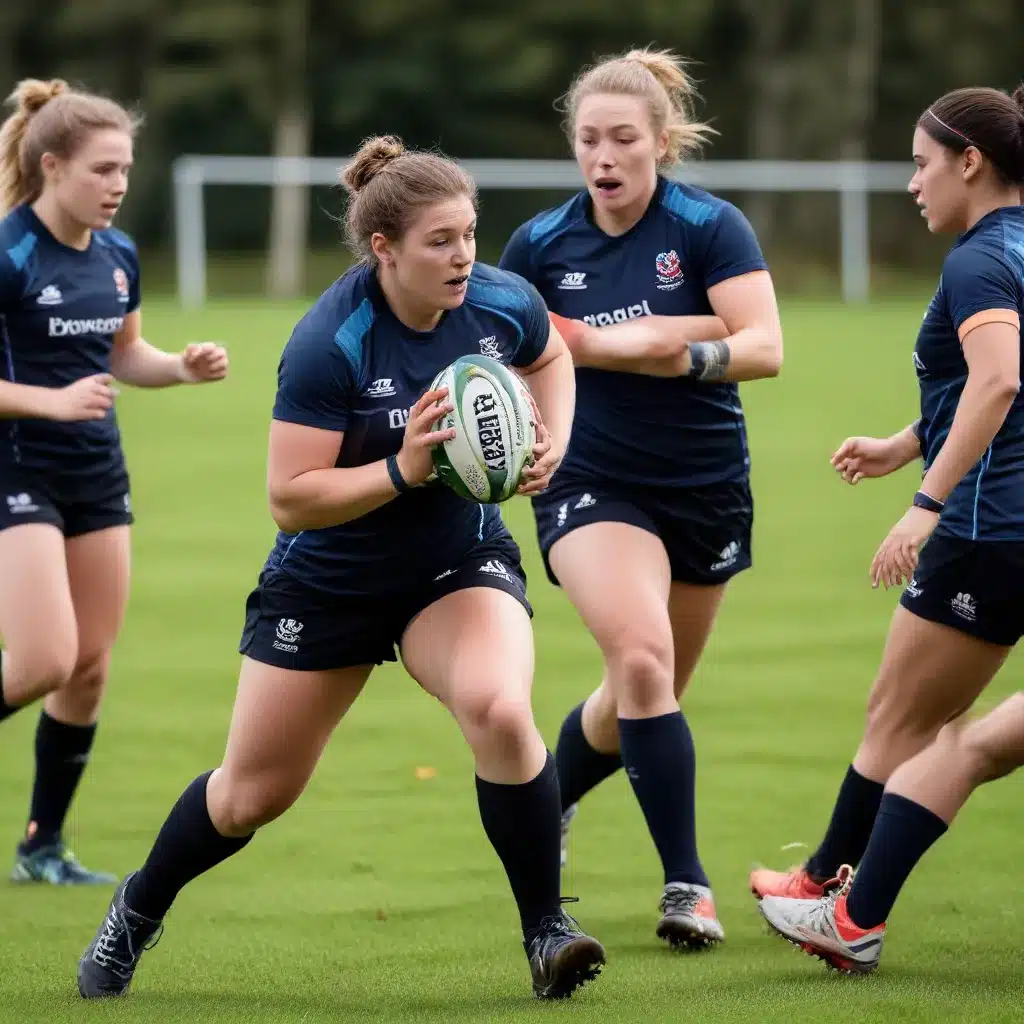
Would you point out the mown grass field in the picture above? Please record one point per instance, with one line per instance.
(378, 898)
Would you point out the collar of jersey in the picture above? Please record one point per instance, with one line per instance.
(652, 208)
(385, 312)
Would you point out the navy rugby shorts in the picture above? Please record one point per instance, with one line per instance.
(75, 506)
(706, 530)
(974, 586)
(293, 624)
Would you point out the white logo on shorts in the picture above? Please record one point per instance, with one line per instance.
(965, 606)
(730, 553)
(585, 502)
(21, 504)
(913, 588)
(441, 575)
(288, 631)
(563, 514)
(496, 568)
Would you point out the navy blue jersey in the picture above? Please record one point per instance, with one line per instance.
(59, 311)
(984, 270)
(352, 366)
(629, 427)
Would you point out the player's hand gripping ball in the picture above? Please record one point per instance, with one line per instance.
(495, 429)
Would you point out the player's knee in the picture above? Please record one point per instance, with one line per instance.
(246, 805)
(984, 749)
(496, 717)
(641, 675)
(88, 678)
(41, 671)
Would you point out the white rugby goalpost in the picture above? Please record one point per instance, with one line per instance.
(853, 182)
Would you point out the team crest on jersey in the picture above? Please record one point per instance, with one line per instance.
(670, 274)
(121, 284)
(489, 347)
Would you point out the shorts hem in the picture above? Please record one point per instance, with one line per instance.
(971, 629)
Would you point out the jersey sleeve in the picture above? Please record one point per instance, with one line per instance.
(536, 328)
(315, 381)
(134, 281)
(11, 282)
(975, 281)
(732, 247)
(517, 254)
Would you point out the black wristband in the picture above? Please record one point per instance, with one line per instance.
(928, 503)
(396, 474)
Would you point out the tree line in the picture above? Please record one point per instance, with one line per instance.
(795, 79)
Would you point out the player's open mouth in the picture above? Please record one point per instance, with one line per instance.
(109, 209)
(457, 285)
(608, 186)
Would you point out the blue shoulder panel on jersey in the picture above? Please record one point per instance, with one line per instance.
(111, 236)
(548, 225)
(20, 253)
(349, 336)
(509, 302)
(693, 211)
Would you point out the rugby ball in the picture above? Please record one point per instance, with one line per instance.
(494, 429)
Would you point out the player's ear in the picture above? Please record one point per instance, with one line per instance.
(661, 144)
(382, 249)
(972, 163)
(49, 164)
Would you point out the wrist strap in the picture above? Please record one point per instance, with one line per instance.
(396, 474)
(927, 502)
(709, 360)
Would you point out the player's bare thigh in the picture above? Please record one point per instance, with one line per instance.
(281, 722)
(37, 617)
(473, 651)
(929, 674)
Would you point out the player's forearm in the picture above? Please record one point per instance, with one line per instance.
(753, 353)
(979, 415)
(553, 387)
(22, 401)
(652, 345)
(907, 444)
(144, 366)
(329, 497)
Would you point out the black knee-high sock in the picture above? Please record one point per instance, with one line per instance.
(523, 823)
(580, 766)
(6, 710)
(62, 752)
(187, 846)
(903, 833)
(850, 828)
(661, 765)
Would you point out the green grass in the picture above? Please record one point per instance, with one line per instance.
(377, 898)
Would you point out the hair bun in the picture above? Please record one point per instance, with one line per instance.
(31, 95)
(373, 157)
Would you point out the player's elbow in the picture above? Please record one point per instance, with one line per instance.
(772, 364)
(1000, 386)
(286, 512)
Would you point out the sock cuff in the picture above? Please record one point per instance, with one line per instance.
(540, 780)
(644, 726)
(903, 807)
(64, 737)
(863, 780)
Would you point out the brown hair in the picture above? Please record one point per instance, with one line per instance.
(987, 119)
(659, 77)
(388, 185)
(49, 117)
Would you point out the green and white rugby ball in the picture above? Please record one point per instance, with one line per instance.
(494, 429)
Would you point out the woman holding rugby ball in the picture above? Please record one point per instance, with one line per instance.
(367, 559)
